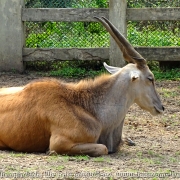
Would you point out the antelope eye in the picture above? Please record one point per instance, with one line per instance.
(150, 79)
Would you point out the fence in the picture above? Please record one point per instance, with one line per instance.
(13, 53)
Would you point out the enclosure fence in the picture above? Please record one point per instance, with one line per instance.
(92, 34)
(48, 30)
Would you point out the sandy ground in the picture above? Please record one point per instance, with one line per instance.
(156, 154)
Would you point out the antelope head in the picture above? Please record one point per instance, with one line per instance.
(142, 79)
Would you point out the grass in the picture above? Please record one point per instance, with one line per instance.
(82, 69)
(66, 158)
(171, 74)
(57, 167)
(82, 158)
(70, 72)
(19, 155)
(99, 159)
(153, 157)
(169, 93)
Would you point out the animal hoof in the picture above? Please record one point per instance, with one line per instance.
(51, 153)
(129, 142)
(111, 152)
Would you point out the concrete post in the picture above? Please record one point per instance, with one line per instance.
(11, 35)
(117, 15)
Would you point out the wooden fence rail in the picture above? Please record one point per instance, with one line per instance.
(47, 54)
(87, 14)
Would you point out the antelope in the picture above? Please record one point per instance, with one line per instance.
(78, 118)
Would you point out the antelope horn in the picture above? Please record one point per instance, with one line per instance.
(129, 53)
(125, 55)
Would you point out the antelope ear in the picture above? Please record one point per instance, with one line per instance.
(111, 69)
(134, 75)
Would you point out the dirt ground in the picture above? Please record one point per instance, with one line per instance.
(155, 156)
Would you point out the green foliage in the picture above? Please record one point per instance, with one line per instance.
(80, 72)
(65, 3)
(92, 3)
(97, 3)
(68, 69)
(68, 72)
(152, 36)
(152, 3)
(82, 158)
(82, 69)
(91, 34)
(75, 72)
(99, 159)
(66, 35)
(164, 74)
(171, 74)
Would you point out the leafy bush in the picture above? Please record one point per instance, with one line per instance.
(169, 74)
(65, 3)
(65, 35)
(152, 36)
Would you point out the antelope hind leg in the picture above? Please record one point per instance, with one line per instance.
(62, 145)
(90, 149)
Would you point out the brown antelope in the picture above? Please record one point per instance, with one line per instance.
(77, 118)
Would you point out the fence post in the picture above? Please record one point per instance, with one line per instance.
(11, 35)
(117, 15)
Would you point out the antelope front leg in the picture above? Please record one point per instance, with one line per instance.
(127, 141)
(124, 139)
